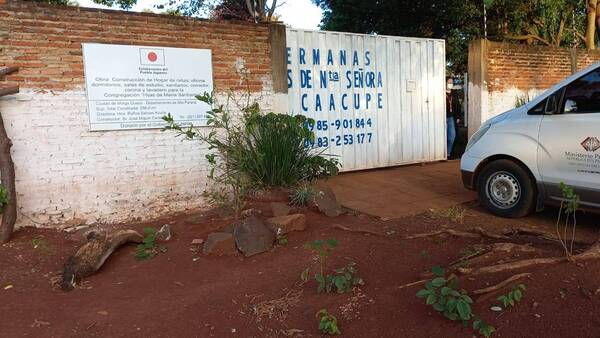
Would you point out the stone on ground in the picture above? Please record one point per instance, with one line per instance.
(220, 244)
(327, 203)
(280, 209)
(287, 224)
(253, 236)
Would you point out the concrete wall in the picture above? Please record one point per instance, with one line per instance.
(500, 72)
(69, 175)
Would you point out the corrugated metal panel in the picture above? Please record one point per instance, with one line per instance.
(383, 106)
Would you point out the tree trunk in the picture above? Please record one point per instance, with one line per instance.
(590, 32)
(7, 175)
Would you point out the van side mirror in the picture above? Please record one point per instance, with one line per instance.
(551, 105)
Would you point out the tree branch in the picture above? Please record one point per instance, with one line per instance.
(529, 38)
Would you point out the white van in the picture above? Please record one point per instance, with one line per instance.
(517, 160)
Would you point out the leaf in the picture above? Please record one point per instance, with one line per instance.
(451, 305)
(464, 310)
(438, 271)
(439, 281)
(439, 307)
(446, 291)
(467, 299)
(451, 316)
(518, 295)
(423, 293)
(432, 298)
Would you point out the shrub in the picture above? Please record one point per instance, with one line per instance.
(277, 155)
(254, 151)
(302, 194)
(445, 296)
(328, 323)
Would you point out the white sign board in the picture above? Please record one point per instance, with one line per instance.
(376, 100)
(133, 87)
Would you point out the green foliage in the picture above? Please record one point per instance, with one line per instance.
(4, 197)
(148, 248)
(39, 243)
(484, 329)
(342, 280)
(460, 21)
(446, 297)
(253, 151)
(522, 100)
(570, 205)
(228, 184)
(328, 323)
(278, 152)
(512, 297)
(302, 194)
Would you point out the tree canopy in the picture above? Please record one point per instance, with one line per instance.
(548, 22)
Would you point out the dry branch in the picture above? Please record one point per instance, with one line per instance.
(92, 255)
(501, 284)
(8, 70)
(362, 231)
(9, 91)
(7, 173)
(592, 253)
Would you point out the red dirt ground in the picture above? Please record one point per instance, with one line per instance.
(183, 294)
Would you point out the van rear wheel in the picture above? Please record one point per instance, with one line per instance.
(506, 189)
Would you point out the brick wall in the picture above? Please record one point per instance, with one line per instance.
(67, 174)
(501, 72)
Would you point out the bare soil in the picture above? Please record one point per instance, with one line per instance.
(182, 293)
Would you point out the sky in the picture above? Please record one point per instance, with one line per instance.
(301, 14)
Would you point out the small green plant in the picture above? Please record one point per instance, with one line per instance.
(328, 323)
(302, 195)
(322, 248)
(522, 100)
(4, 197)
(512, 297)
(39, 243)
(342, 280)
(445, 296)
(148, 249)
(484, 328)
(570, 205)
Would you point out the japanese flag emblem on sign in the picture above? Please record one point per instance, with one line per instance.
(152, 56)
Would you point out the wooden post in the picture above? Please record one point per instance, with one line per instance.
(7, 169)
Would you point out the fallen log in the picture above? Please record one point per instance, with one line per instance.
(92, 255)
(592, 253)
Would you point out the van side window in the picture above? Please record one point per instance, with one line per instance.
(582, 96)
(538, 109)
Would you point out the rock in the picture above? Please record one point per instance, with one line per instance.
(496, 308)
(228, 228)
(270, 195)
(164, 234)
(197, 241)
(287, 224)
(327, 203)
(219, 243)
(280, 209)
(250, 212)
(253, 236)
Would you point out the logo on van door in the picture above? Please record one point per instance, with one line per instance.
(591, 144)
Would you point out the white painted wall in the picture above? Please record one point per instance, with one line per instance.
(67, 175)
